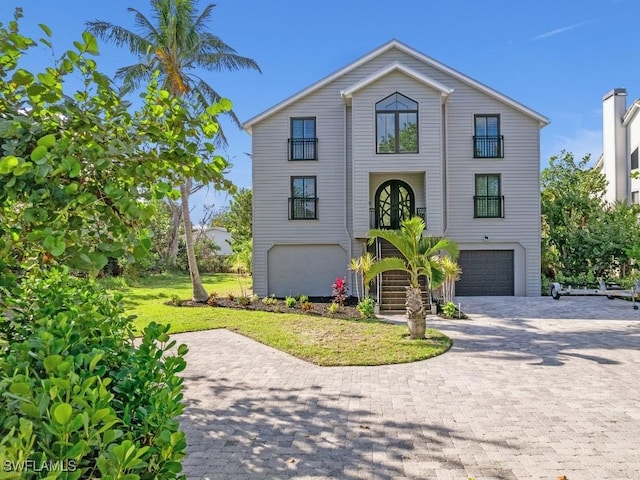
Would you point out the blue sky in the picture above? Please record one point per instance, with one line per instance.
(558, 57)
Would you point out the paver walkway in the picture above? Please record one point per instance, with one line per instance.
(532, 389)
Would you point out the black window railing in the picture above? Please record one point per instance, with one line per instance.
(488, 206)
(303, 149)
(303, 208)
(375, 223)
(488, 147)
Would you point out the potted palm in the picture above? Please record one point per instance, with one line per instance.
(420, 257)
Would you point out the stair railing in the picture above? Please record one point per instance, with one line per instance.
(379, 276)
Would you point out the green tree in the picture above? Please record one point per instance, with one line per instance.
(238, 220)
(408, 138)
(78, 171)
(177, 43)
(582, 236)
(419, 258)
(572, 202)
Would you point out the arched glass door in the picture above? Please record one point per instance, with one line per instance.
(395, 202)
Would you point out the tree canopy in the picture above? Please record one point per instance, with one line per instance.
(582, 235)
(77, 168)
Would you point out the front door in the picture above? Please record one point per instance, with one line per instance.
(395, 202)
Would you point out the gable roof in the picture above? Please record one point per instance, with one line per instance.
(631, 113)
(410, 51)
(399, 67)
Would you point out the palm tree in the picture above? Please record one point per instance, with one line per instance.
(176, 42)
(419, 259)
(452, 272)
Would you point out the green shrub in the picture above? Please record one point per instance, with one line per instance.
(449, 309)
(290, 302)
(243, 300)
(303, 298)
(272, 300)
(77, 394)
(366, 308)
(334, 307)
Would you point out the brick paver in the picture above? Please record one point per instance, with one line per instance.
(532, 389)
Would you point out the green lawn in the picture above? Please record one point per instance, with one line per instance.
(319, 340)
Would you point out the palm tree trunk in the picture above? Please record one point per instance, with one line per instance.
(174, 233)
(199, 293)
(415, 313)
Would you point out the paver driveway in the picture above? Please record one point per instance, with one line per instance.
(532, 389)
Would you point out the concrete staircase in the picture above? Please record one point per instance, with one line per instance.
(394, 283)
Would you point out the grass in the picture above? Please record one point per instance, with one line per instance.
(319, 340)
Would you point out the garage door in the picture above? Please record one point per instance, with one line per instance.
(304, 269)
(485, 272)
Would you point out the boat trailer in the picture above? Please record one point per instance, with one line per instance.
(610, 291)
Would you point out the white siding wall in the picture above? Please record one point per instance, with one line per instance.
(519, 169)
(520, 184)
(272, 172)
(633, 138)
(367, 161)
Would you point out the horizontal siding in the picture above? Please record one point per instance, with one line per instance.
(519, 169)
(428, 159)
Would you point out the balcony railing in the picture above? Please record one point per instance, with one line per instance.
(374, 223)
(303, 208)
(303, 149)
(488, 147)
(488, 206)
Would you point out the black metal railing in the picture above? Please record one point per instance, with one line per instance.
(303, 149)
(301, 208)
(488, 147)
(374, 221)
(488, 206)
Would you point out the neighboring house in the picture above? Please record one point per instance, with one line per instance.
(391, 135)
(620, 142)
(221, 237)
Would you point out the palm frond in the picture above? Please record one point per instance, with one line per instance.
(119, 36)
(222, 61)
(385, 265)
(133, 76)
(394, 237)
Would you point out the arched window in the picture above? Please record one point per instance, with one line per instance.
(396, 125)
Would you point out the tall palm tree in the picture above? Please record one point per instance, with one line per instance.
(419, 259)
(176, 42)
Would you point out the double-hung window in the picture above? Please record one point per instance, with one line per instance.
(487, 141)
(396, 125)
(634, 159)
(303, 144)
(303, 203)
(488, 201)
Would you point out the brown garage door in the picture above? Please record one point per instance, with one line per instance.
(485, 272)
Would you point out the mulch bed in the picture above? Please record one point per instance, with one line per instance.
(319, 307)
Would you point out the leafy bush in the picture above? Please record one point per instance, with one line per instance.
(334, 307)
(290, 302)
(306, 306)
(77, 394)
(212, 300)
(272, 300)
(340, 290)
(366, 308)
(243, 300)
(449, 309)
(303, 298)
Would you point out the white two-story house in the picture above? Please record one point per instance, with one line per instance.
(391, 135)
(620, 144)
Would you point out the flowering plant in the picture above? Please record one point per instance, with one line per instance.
(340, 290)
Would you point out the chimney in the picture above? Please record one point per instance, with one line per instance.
(614, 145)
